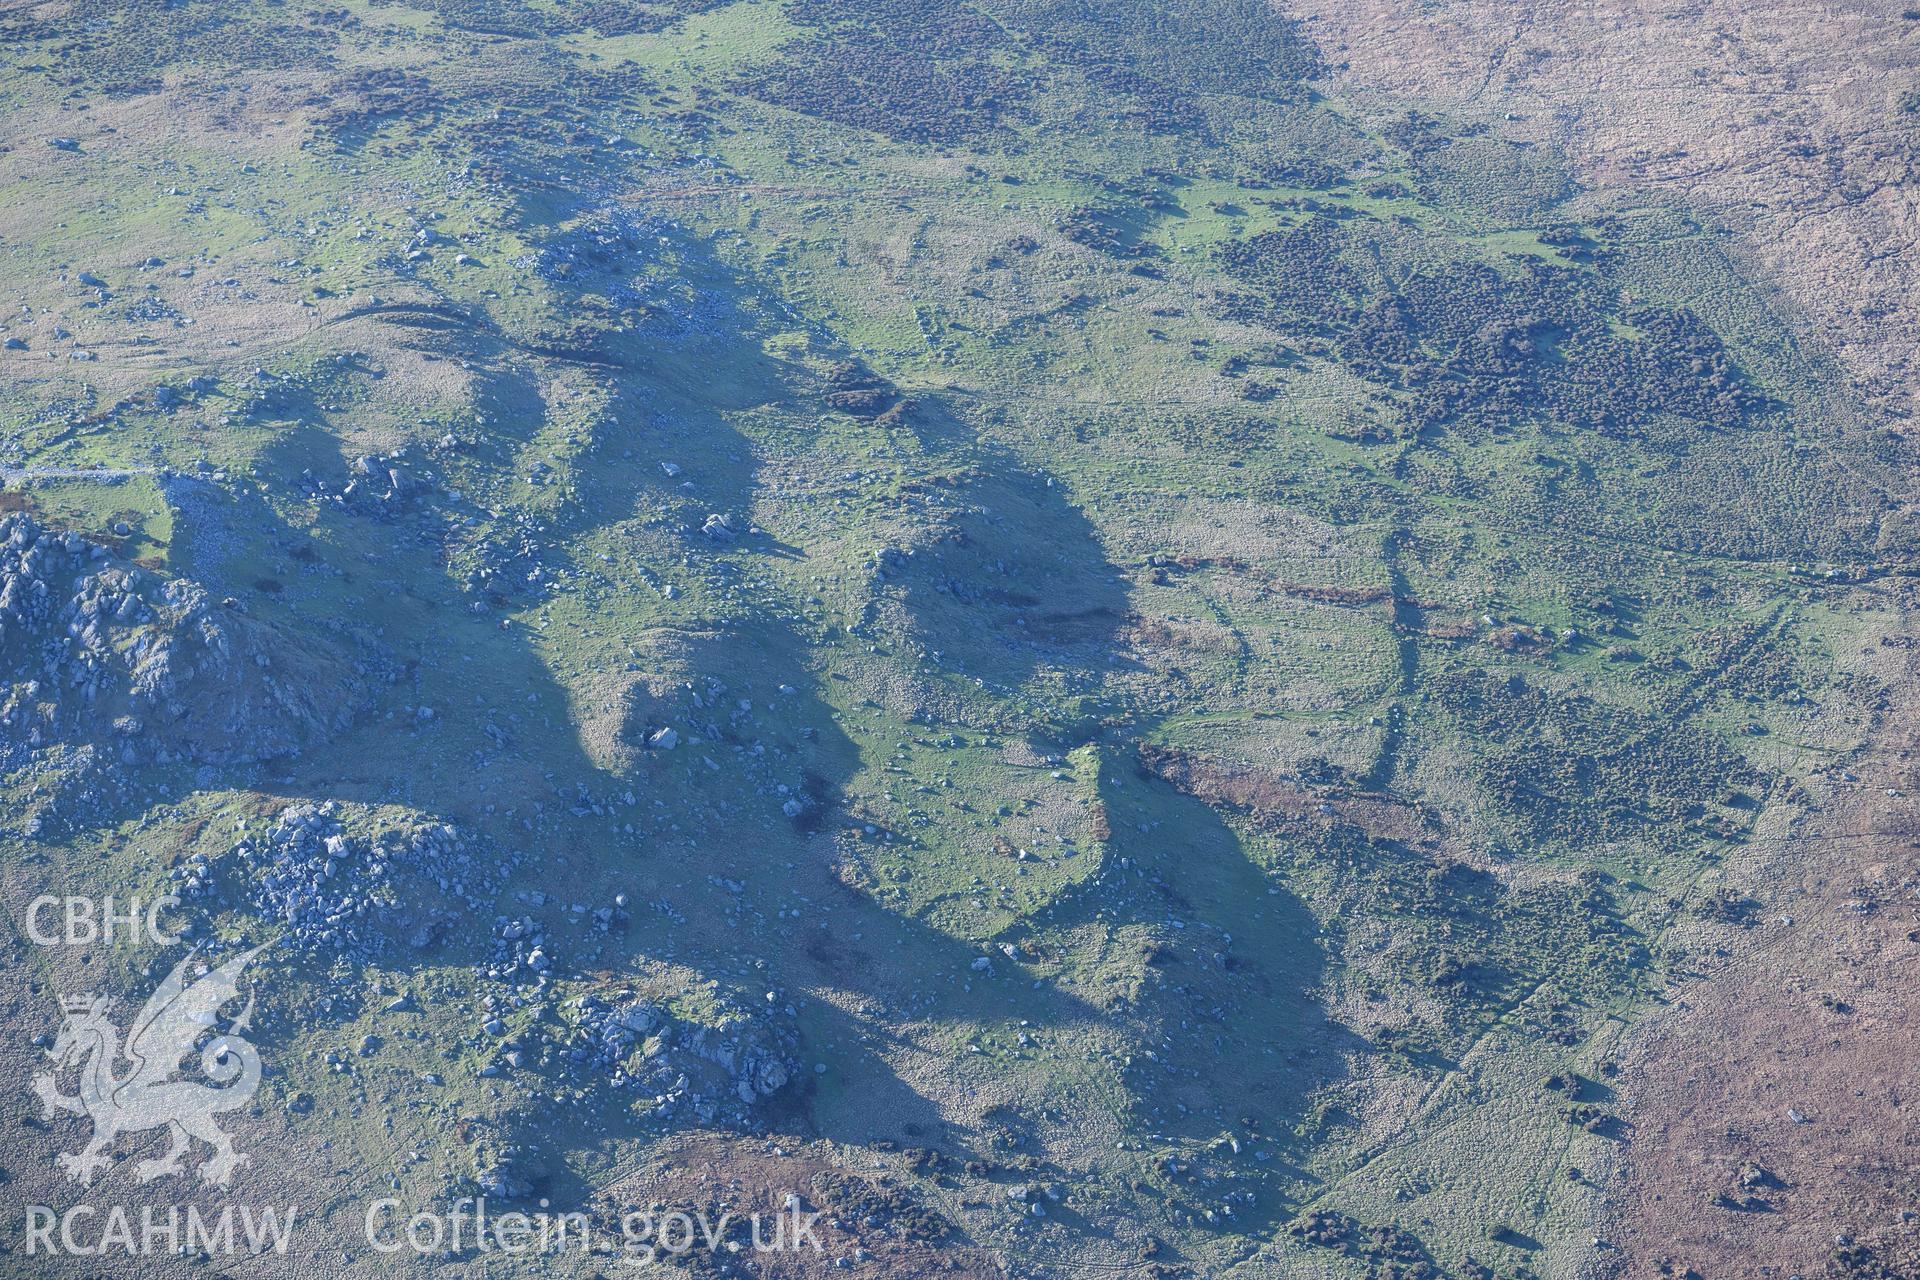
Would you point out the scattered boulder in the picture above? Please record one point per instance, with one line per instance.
(503, 1181)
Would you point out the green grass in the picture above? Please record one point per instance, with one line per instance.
(1136, 516)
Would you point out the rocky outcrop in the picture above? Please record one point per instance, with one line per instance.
(340, 879)
(153, 670)
(718, 1072)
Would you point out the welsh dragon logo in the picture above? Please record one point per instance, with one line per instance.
(147, 1096)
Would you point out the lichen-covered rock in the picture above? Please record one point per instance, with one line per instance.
(718, 1072)
(340, 885)
(96, 650)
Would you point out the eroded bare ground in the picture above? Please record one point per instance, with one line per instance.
(839, 1221)
(1776, 1106)
(1794, 123)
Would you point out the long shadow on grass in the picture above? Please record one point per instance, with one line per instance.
(1017, 583)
